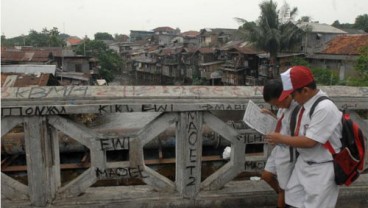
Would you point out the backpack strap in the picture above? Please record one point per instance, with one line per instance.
(293, 118)
(316, 103)
(326, 145)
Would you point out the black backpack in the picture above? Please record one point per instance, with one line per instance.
(349, 162)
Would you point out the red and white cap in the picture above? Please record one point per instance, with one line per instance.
(294, 78)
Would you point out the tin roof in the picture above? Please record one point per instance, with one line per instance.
(24, 80)
(241, 47)
(190, 34)
(163, 29)
(346, 44)
(29, 54)
(319, 28)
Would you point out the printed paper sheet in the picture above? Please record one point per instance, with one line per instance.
(261, 122)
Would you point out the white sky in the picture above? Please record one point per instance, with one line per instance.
(87, 17)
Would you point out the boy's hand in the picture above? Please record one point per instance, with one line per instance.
(267, 111)
(274, 138)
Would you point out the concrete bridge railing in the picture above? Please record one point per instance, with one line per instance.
(42, 112)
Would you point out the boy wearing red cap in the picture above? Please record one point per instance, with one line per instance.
(279, 164)
(312, 181)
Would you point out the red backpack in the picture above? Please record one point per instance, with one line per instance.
(349, 162)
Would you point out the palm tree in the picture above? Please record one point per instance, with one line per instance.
(269, 33)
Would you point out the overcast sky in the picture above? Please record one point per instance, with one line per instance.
(86, 17)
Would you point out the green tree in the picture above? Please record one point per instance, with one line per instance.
(322, 76)
(305, 19)
(337, 24)
(300, 61)
(37, 39)
(103, 36)
(362, 68)
(15, 41)
(45, 38)
(109, 61)
(271, 35)
(361, 22)
(54, 38)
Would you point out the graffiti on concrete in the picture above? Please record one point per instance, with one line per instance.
(122, 172)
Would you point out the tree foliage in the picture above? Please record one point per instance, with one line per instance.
(362, 68)
(45, 38)
(103, 36)
(337, 24)
(269, 33)
(361, 22)
(109, 60)
(322, 76)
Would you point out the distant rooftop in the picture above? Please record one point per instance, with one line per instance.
(320, 28)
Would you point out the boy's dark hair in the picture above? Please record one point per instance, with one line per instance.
(272, 89)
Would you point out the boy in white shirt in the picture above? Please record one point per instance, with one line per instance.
(280, 163)
(311, 184)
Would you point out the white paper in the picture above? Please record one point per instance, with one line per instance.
(264, 123)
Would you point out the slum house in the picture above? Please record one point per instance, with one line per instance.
(340, 55)
(73, 42)
(190, 38)
(164, 35)
(209, 66)
(75, 69)
(136, 35)
(241, 63)
(189, 63)
(284, 60)
(147, 67)
(217, 37)
(169, 61)
(72, 69)
(316, 36)
(115, 46)
(126, 49)
(29, 55)
(166, 30)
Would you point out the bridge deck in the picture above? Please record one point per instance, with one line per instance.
(234, 194)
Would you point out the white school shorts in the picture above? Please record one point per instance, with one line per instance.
(312, 186)
(279, 164)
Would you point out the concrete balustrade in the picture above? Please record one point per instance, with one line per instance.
(42, 112)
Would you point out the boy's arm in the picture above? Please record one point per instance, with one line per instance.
(294, 141)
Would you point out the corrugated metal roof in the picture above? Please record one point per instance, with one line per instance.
(319, 28)
(27, 54)
(163, 29)
(242, 47)
(190, 34)
(24, 80)
(346, 44)
(29, 69)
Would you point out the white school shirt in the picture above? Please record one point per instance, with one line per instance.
(324, 125)
(285, 123)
